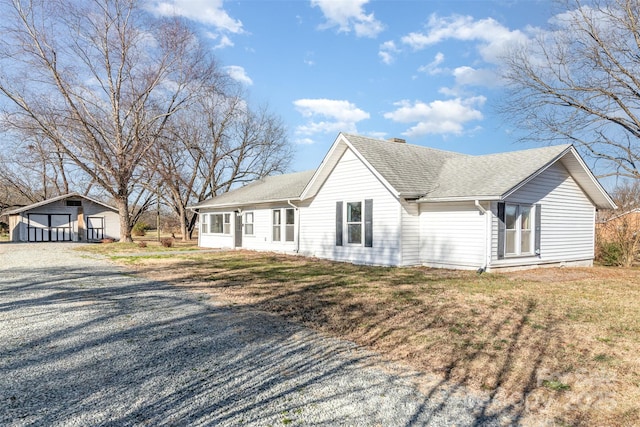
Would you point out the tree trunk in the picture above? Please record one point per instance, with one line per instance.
(183, 224)
(122, 203)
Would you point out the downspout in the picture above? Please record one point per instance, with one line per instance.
(297, 250)
(483, 211)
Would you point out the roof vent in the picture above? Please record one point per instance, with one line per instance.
(398, 140)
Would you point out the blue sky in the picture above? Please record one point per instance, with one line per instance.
(424, 70)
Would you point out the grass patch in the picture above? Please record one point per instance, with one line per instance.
(523, 336)
(556, 385)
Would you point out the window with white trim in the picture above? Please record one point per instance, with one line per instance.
(518, 239)
(215, 224)
(226, 225)
(283, 225)
(248, 223)
(204, 223)
(354, 222)
(290, 221)
(277, 224)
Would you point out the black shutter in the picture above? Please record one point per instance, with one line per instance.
(501, 230)
(538, 228)
(368, 223)
(338, 223)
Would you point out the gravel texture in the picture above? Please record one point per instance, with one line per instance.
(82, 342)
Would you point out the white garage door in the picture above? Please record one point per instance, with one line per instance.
(49, 227)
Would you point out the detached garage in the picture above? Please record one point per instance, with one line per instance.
(68, 218)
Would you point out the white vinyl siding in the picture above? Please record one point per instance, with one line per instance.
(567, 219)
(410, 217)
(453, 235)
(351, 181)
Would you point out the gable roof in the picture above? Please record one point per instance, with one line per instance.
(276, 188)
(434, 175)
(491, 176)
(422, 173)
(56, 199)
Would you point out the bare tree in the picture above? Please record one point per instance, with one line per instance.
(580, 82)
(216, 144)
(619, 230)
(99, 79)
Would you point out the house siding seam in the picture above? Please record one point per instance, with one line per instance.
(567, 219)
(351, 181)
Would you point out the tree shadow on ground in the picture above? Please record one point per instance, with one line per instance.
(98, 347)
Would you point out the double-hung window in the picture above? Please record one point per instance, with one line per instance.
(280, 218)
(277, 225)
(204, 223)
(226, 225)
(520, 238)
(290, 221)
(355, 219)
(248, 223)
(354, 222)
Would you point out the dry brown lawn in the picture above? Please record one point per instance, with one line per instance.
(554, 346)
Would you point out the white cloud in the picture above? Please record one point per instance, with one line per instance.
(208, 12)
(433, 68)
(222, 40)
(304, 141)
(387, 51)
(239, 74)
(349, 15)
(494, 37)
(468, 76)
(328, 116)
(437, 117)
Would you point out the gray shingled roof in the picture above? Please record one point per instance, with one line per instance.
(409, 169)
(491, 175)
(269, 189)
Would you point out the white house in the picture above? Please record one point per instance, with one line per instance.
(390, 203)
(70, 217)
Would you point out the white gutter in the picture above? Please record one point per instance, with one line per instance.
(297, 225)
(483, 211)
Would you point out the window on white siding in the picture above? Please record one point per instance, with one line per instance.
(248, 223)
(278, 233)
(277, 224)
(204, 223)
(215, 225)
(290, 220)
(354, 222)
(518, 231)
(227, 224)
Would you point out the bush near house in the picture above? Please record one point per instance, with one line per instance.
(618, 239)
(140, 229)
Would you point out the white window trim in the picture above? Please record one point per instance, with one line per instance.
(245, 223)
(345, 227)
(283, 225)
(518, 231)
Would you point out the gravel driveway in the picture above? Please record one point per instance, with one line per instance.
(84, 343)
